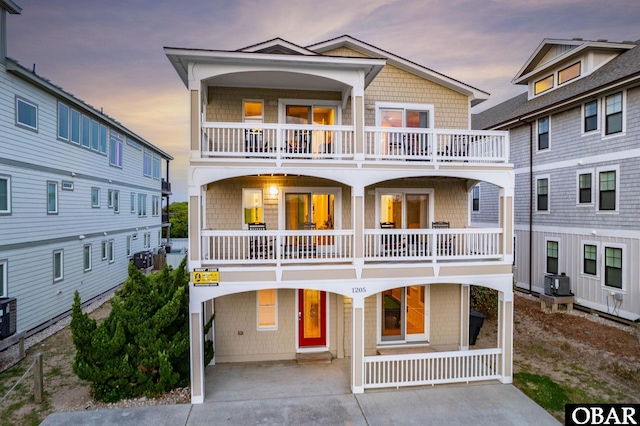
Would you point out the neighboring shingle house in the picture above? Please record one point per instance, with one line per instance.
(575, 146)
(328, 196)
(80, 194)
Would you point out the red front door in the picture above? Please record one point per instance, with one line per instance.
(312, 322)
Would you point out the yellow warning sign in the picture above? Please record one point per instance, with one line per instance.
(205, 276)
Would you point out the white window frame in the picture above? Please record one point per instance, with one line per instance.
(244, 116)
(4, 278)
(622, 247)
(104, 139)
(116, 201)
(582, 117)
(142, 205)
(156, 167)
(246, 193)
(147, 240)
(476, 186)
(111, 251)
(404, 192)
(623, 131)
(598, 170)
(274, 307)
(103, 249)
(58, 254)
(85, 131)
(87, 268)
(147, 169)
(74, 116)
(155, 205)
(546, 241)
(95, 135)
(30, 104)
(132, 200)
(430, 108)
(537, 134)
(427, 317)
(593, 187)
(598, 258)
(537, 178)
(7, 211)
(283, 103)
(56, 209)
(115, 149)
(333, 190)
(129, 246)
(62, 125)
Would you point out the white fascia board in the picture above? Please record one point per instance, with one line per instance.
(582, 46)
(10, 7)
(279, 42)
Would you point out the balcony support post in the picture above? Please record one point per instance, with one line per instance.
(505, 219)
(465, 299)
(505, 334)
(196, 353)
(357, 345)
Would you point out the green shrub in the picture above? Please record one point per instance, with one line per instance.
(485, 300)
(142, 348)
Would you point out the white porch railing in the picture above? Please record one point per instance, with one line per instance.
(260, 247)
(432, 244)
(279, 141)
(381, 371)
(317, 142)
(412, 144)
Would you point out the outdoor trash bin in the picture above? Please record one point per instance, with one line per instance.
(476, 319)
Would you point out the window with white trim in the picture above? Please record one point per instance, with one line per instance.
(475, 206)
(95, 197)
(590, 258)
(147, 163)
(75, 126)
(552, 254)
(613, 272)
(63, 121)
(95, 135)
(607, 193)
(613, 114)
(132, 201)
(5, 195)
(111, 251)
(4, 278)
(147, 240)
(85, 138)
(267, 309)
(115, 149)
(116, 201)
(58, 265)
(543, 85)
(110, 198)
(543, 133)
(104, 136)
(155, 205)
(142, 205)
(129, 246)
(86, 257)
(585, 188)
(590, 112)
(52, 197)
(156, 166)
(104, 250)
(569, 73)
(26, 114)
(542, 194)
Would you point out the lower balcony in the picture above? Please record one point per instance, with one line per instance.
(339, 246)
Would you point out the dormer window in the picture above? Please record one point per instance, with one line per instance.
(569, 73)
(543, 85)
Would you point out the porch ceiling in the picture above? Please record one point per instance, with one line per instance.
(277, 80)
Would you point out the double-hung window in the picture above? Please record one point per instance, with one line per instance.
(115, 149)
(613, 114)
(86, 254)
(607, 194)
(267, 307)
(63, 121)
(85, 138)
(543, 133)
(103, 247)
(156, 166)
(542, 194)
(613, 276)
(75, 126)
(476, 199)
(590, 259)
(584, 188)
(147, 163)
(142, 205)
(132, 201)
(552, 257)
(111, 251)
(52, 197)
(95, 135)
(110, 199)
(104, 132)
(58, 265)
(147, 240)
(95, 197)
(116, 201)
(26, 114)
(155, 205)
(5, 195)
(590, 116)
(129, 246)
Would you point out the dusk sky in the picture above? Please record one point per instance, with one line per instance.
(110, 53)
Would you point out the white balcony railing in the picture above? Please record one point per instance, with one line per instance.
(381, 371)
(279, 141)
(326, 246)
(436, 145)
(260, 247)
(317, 142)
(432, 244)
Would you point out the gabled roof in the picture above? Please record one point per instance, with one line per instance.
(278, 45)
(622, 71)
(554, 51)
(15, 68)
(476, 95)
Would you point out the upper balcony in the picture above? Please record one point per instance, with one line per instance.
(282, 142)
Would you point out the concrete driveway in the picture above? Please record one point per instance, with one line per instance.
(285, 393)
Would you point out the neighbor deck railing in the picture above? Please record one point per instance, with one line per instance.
(382, 371)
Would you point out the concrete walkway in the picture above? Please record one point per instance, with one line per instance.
(285, 393)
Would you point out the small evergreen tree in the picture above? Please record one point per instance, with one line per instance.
(142, 348)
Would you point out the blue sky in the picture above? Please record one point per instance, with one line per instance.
(110, 54)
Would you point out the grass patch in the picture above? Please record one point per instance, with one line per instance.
(544, 391)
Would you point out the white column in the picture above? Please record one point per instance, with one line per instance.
(357, 345)
(196, 336)
(465, 299)
(505, 334)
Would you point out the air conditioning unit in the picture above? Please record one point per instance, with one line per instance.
(8, 316)
(557, 285)
(143, 259)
